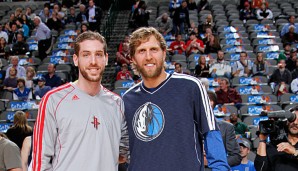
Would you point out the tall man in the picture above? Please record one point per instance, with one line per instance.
(94, 14)
(166, 122)
(81, 125)
(43, 36)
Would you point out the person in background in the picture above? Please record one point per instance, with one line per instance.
(281, 74)
(220, 68)
(264, 13)
(26, 153)
(10, 151)
(52, 79)
(20, 129)
(14, 63)
(246, 13)
(41, 88)
(194, 45)
(240, 127)
(22, 92)
(24, 29)
(84, 28)
(202, 69)
(226, 94)
(164, 24)
(243, 67)
(181, 16)
(20, 47)
(30, 75)
(285, 28)
(246, 165)
(10, 83)
(124, 74)
(3, 33)
(260, 66)
(178, 46)
(94, 15)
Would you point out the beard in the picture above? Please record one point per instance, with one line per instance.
(293, 129)
(152, 73)
(90, 77)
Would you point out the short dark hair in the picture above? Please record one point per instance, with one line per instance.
(178, 64)
(213, 97)
(89, 35)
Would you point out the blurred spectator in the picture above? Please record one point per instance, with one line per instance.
(18, 12)
(260, 66)
(14, 63)
(71, 18)
(246, 165)
(29, 13)
(44, 15)
(181, 16)
(193, 28)
(174, 4)
(226, 94)
(10, 83)
(202, 69)
(203, 5)
(54, 23)
(84, 27)
(23, 27)
(220, 68)
(164, 24)
(291, 36)
(243, 67)
(41, 88)
(10, 151)
(3, 47)
(291, 61)
(194, 45)
(264, 13)
(178, 68)
(281, 89)
(82, 15)
(135, 6)
(20, 47)
(3, 33)
(28, 21)
(124, 55)
(30, 75)
(94, 16)
(294, 85)
(20, 129)
(281, 74)
(211, 42)
(43, 36)
(57, 9)
(178, 46)
(246, 13)
(286, 27)
(51, 78)
(295, 71)
(285, 54)
(22, 92)
(12, 19)
(12, 35)
(126, 40)
(191, 4)
(257, 4)
(240, 127)
(141, 15)
(124, 74)
(208, 23)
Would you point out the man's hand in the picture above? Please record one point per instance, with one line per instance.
(286, 147)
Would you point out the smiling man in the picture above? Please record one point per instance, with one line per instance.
(167, 122)
(81, 125)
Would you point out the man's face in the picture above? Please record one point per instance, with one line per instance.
(91, 3)
(293, 126)
(82, 8)
(242, 56)
(14, 61)
(294, 55)
(91, 60)
(149, 58)
(14, 27)
(19, 38)
(220, 55)
(20, 84)
(244, 151)
(184, 4)
(292, 19)
(179, 38)
(223, 85)
(36, 21)
(233, 118)
(282, 64)
(178, 69)
(41, 83)
(51, 68)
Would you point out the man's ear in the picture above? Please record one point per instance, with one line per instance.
(107, 59)
(75, 59)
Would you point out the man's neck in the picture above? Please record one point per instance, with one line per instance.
(154, 82)
(91, 88)
(244, 160)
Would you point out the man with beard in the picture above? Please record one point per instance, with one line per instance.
(81, 125)
(167, 122)
(284, 156)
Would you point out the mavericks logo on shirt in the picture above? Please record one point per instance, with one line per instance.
(148, 122)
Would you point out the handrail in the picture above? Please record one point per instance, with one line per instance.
(111, 20)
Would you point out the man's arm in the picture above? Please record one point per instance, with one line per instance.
(261, 161)
(215, 151)
(12, 157)
(45, 135)
(124, 141)
(232, 147)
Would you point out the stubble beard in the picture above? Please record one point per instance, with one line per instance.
(150, 74)
(91, 78)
